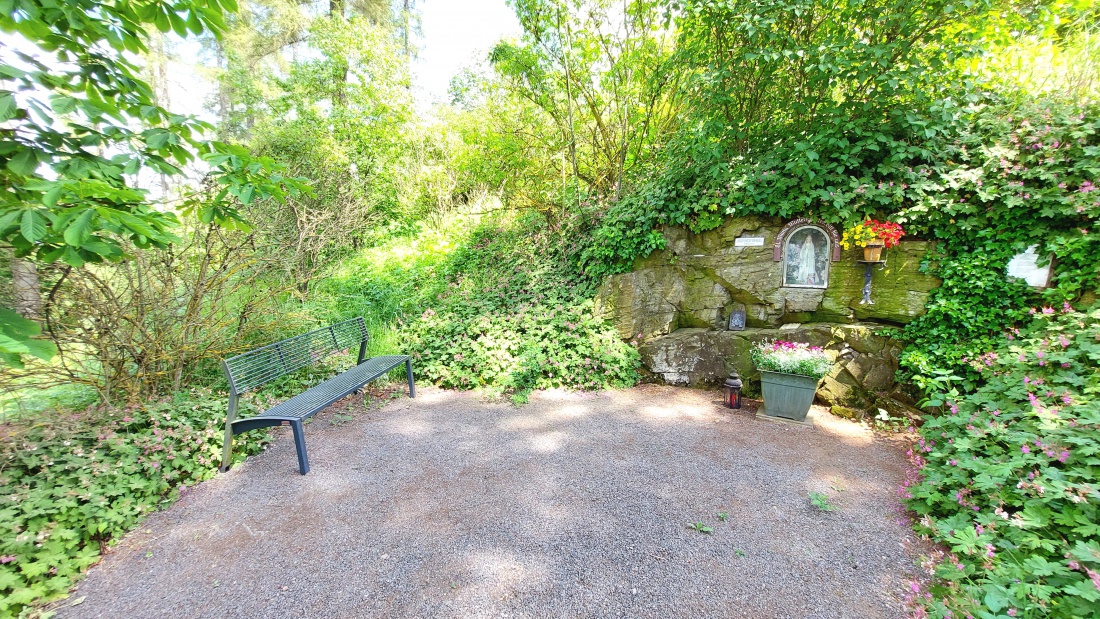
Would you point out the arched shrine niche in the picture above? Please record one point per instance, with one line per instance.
(806, 247)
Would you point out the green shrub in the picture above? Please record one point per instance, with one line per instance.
(1001, 178)
(533, 347)
(71, 483)
(983, 175)
(1009, 481)
(515, 314)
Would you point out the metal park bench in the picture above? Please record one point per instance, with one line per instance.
(255, 368)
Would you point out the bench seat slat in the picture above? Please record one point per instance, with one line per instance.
(322, 395)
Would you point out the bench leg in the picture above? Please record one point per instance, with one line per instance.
(227, 448)
(409, 374)
(227, 442)
(300, 446)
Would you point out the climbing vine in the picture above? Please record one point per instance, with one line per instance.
(985, 178)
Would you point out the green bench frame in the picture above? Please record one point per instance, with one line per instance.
(255, 368)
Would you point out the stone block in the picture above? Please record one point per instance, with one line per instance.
(847, 413)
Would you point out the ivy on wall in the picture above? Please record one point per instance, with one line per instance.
(984, 177)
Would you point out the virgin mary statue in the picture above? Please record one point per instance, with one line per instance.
(807, 262)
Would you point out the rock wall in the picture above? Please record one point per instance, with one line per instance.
(679, 300)
(699, 278)
(863, 374)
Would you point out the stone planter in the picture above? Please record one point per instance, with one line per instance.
(787, 395)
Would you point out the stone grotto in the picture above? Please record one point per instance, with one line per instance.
(792, 282)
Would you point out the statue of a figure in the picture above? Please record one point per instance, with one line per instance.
(807, 262)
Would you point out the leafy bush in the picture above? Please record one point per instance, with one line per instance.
(1009, 481)
(790, 358)
(534, 347)
(983, 175)
(515, 315)
(72, 483)
(1003, 177)
(628, 230)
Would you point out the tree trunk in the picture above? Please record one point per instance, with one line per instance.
(158, 57)
(340, 95)
(222, 61)
(26, 293)
(405, 33)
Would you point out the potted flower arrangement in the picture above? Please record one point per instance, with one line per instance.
(789, 373)
(872, 235)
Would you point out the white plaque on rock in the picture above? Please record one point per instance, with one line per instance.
(1026, 267)
(748, 241)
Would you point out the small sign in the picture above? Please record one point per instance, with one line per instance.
(748, 241)
(737, 320)
(1026, 267)
(790, 326)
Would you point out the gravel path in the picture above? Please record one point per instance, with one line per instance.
(575, 505)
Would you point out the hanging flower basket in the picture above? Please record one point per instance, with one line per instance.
(873, 236)
(872, 252)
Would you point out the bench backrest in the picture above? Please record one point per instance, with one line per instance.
(263, 365)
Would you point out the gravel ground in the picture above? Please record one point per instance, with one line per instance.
(575, 505)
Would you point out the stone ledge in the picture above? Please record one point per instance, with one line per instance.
(808, 422)
(697, 357)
